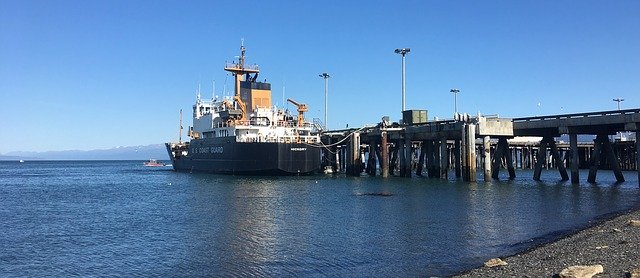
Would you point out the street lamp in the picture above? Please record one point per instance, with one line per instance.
(403, 52)
(618, 100)
(326, 96)
(455, 100)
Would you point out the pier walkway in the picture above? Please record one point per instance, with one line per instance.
(488, 142)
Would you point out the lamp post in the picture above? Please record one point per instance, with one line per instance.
(618, 100)
(403, 52)
(326, 96)
(455, 100)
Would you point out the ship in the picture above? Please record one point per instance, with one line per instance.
(153, 163)
(245, 134)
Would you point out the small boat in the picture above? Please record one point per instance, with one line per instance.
(21, 161)
(153, 163)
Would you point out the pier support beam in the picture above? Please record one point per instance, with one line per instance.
(503, 151)
(595, 157)
(505, 145)
(638, 152)
(469, 159)
(421, 158)
(573, 143)
(486, 155)
(394, 159)
(354, 163)
(603, 147)
(457, 153)
(558, 160)
(371, 161)
(402, 155)
(540, 159)
(408, 156)
(444, 159)
(384, 162)
(613, 160)
(336, 164)
(430, 159)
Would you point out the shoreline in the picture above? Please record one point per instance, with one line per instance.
(609, 241)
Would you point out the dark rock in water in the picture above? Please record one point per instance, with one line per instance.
(381, 194)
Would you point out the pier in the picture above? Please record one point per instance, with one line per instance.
(466, 143)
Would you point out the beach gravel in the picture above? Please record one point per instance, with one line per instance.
(614, 244)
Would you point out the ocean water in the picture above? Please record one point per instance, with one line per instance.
(97, 218)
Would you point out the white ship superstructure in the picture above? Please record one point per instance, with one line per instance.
(264, 124)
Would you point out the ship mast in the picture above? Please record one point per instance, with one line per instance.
(239, 71)
(180, 132)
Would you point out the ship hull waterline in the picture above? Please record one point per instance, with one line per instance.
(251, 158)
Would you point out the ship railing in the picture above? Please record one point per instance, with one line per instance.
(238, 66)
(293, 124)
(299, 139)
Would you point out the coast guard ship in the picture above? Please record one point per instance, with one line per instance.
(245, 134)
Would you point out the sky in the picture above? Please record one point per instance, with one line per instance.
(82, 75)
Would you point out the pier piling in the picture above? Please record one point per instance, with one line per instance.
(444, 159)
(384, 162)
(573, 142)
(486, 155)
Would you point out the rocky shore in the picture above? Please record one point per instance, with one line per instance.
(613, 244)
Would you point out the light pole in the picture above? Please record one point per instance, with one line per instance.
(403, 52)
(455, 100)
(618, 100)
(326, 96)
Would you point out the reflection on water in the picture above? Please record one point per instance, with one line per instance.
(96, 218)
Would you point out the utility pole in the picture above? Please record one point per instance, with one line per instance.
(403, 52)
(618, 100)
(326, 97)
(455, 100)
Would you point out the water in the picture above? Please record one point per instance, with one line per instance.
(120, 218)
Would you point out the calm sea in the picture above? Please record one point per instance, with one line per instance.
(88, 218)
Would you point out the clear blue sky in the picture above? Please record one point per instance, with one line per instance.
(99, 74)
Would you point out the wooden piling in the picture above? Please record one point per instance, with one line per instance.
(595, 157)
(423, 153)
(371, 161)
(402, 157)
(408, 156)
(354, 163)
(458, 163)
(384, 162)
(469, 159)
(557, 159)
(613, 160)
(638, 152)
(444, 159)
(336, 166)
(573, 145)
(497, 160)
(509, 158)
(540, 159)
(486, 155)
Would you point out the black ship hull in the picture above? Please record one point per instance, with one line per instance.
(225, 156)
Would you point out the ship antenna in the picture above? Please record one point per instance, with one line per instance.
(198, 91)
(224, 86)
(180, 132)
(213, 91)
(241, 60)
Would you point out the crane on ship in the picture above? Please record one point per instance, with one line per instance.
(301, 109)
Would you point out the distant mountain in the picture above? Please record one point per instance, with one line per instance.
(156, 151)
